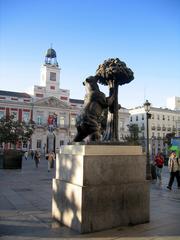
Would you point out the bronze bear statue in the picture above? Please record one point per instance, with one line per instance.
(88, 123)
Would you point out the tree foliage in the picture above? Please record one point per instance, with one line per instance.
(12, 131)
(114, 69)
(134, 134)
(168, 138)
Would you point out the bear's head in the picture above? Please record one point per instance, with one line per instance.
(91, 84)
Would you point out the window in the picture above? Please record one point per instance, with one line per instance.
(38, 143)
(2, 114)
(26, 116)
(26, 100)
(39, 95)
(62, 121)
(61, 142)
(64, 98)
(14, 99)
(136, 118)
(39, 120)
(152, 116)
(163, 117)
(168, 118)
(142, 116)
(40, 117)
(131, 119)
(52, 76)
(52, 87)
(158, 117)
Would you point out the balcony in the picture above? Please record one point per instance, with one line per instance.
(159, 128)
(58, 126)
(169, 129)
(153, 128)
(164, 128)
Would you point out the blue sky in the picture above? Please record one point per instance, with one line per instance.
(145, 34)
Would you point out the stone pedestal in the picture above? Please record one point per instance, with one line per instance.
(98, 187)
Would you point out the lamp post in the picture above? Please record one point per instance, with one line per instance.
(147, 106)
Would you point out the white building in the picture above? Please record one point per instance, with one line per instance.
(173, 103)
(123, 117)
(53, 111)
(162, 121)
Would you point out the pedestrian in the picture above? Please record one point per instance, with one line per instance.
(32, 154)
(174, 167)
(51, 158)
(37, 158)
(26, 155)
(159, 163)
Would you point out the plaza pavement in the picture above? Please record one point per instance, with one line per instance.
(25, 210)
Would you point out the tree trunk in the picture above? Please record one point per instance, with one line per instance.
(111, 134)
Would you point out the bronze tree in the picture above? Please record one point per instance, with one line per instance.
(113, 72)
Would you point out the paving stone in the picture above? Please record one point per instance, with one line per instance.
(25, 210)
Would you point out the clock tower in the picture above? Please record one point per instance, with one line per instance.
(50, 79)
(50, 74)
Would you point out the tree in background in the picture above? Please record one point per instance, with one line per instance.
(133, 138)
(12, 131)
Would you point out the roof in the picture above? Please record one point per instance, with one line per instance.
(51, 53)
(14, 94)
(77, 101)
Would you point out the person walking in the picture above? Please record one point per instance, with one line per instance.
(32, 154)
(26, 155)
(37, 158)
(174, 167)
(159, 163)
(51, 159)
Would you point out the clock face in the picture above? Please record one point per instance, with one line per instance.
(52, 76)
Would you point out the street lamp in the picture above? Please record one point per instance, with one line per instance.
(147, 106)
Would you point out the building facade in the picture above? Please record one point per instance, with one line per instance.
(161, 122)
(51, 109)
(173, 103)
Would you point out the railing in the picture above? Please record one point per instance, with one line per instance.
(58, 126)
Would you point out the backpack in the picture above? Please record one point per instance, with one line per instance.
(159, 161)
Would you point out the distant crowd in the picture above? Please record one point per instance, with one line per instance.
(36, 156)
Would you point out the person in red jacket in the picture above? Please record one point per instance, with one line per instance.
(159, 163)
